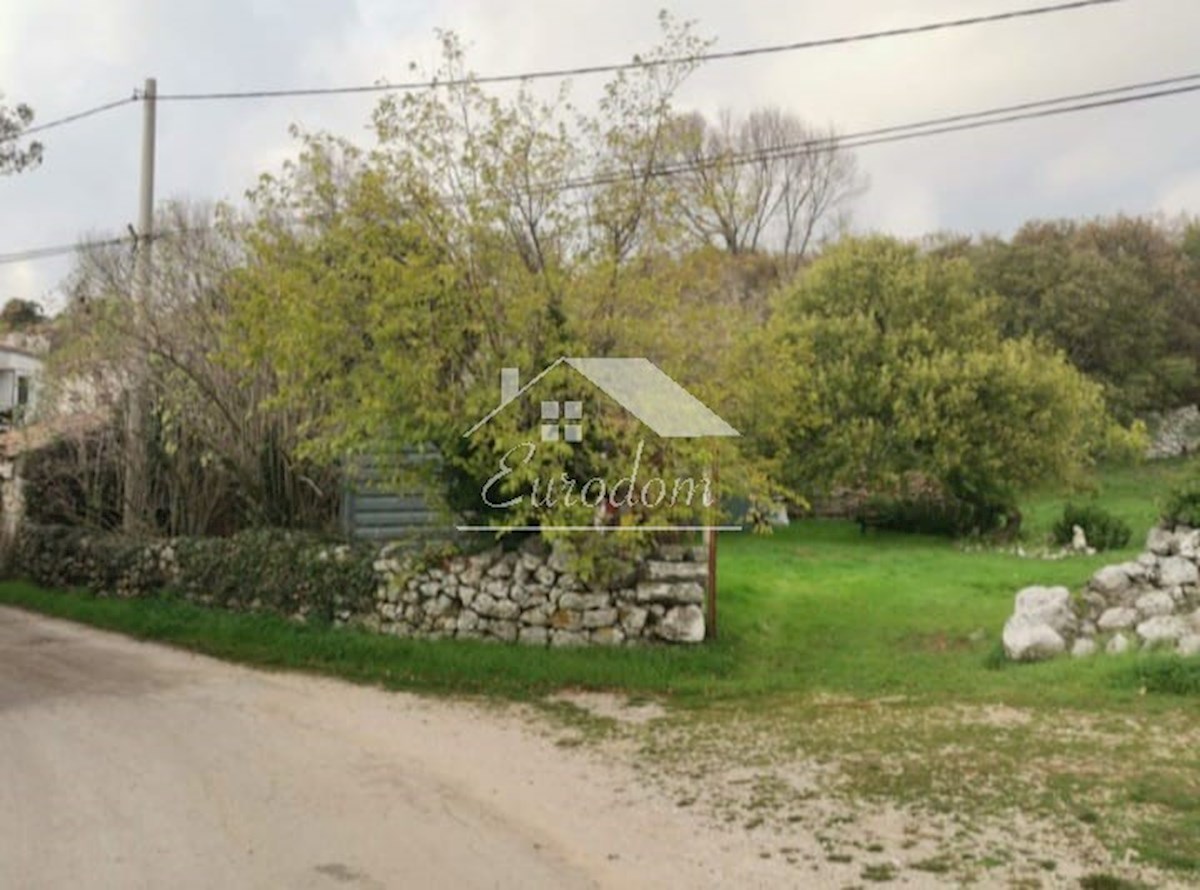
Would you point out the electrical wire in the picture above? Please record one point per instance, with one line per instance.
(69, 119)
(40, 253)
(640, 63)
(901, 132)
(1004, 114)
(637, 63)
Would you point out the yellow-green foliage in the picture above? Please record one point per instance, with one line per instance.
(895, 365)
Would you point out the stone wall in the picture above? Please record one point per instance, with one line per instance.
(525, 595)
(1152, 602)
(530, 596)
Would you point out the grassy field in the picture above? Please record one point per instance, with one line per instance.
(866, 649)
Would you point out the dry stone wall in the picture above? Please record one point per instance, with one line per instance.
(1152, 602)
(530, 596)
(525, 595)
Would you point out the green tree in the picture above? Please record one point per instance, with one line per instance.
(19, 314)
(386, 289)
(897, 368)
(1112, 295)
(15, 157)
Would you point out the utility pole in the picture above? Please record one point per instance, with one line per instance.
(136, 493)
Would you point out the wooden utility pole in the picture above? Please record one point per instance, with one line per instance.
(136, 493)
(710, 594)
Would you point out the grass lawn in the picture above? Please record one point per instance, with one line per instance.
(834, 644)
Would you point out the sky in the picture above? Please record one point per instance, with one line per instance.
(61, 56)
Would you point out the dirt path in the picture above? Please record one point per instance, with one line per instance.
(126, 764)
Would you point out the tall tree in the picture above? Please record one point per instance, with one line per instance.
(766, 181)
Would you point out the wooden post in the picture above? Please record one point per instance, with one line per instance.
(710, 595)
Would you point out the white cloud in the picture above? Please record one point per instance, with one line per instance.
(1181, 195)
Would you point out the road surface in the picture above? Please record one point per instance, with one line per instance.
(127, 765)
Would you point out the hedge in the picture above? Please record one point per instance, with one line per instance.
(286, 572)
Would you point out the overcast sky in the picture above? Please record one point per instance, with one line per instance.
(61, 56)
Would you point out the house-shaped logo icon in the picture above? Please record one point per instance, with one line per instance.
(636, 384)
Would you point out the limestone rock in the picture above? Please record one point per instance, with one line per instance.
(676, 571)
(1175, 571)
(567, 638)
(1118, 645)
(1189, 644)
(584, 601)
(1079, 543)
(503, 568)
(672, 552)
(1160, 541)
(536, 616)
(607, 636)
(566, 620)
(560, 559)
(1028, 640)
(533, 636)
(597, 618)
(504, 630)
(667, 592)
(1047, 605)
(633, 619)
(1149, 560)
(1115, 580)
(1156, 602)
(682, 624)
(1083, 648)
(1161, 630)
(1118, 618)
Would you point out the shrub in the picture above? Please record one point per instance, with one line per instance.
(1183, 507)
(287, 572)
(929, 515)
(1103, 530)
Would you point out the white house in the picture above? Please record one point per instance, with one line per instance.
(20, 372)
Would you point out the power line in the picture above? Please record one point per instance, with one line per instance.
(69, 119)
(639, 63)
(881, 135)
(41, 253)
(901, 132)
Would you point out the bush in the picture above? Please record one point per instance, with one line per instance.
(929, 515)
(1183, 507)
(1103, 530)
(286, 572)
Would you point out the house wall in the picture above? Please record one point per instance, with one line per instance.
(12, 366)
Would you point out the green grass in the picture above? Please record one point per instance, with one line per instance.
(814, 608)
(817, 607)
(431, 666)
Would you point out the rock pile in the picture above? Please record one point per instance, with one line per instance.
(530, 596)
(1175, 433)
(1151, 602)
